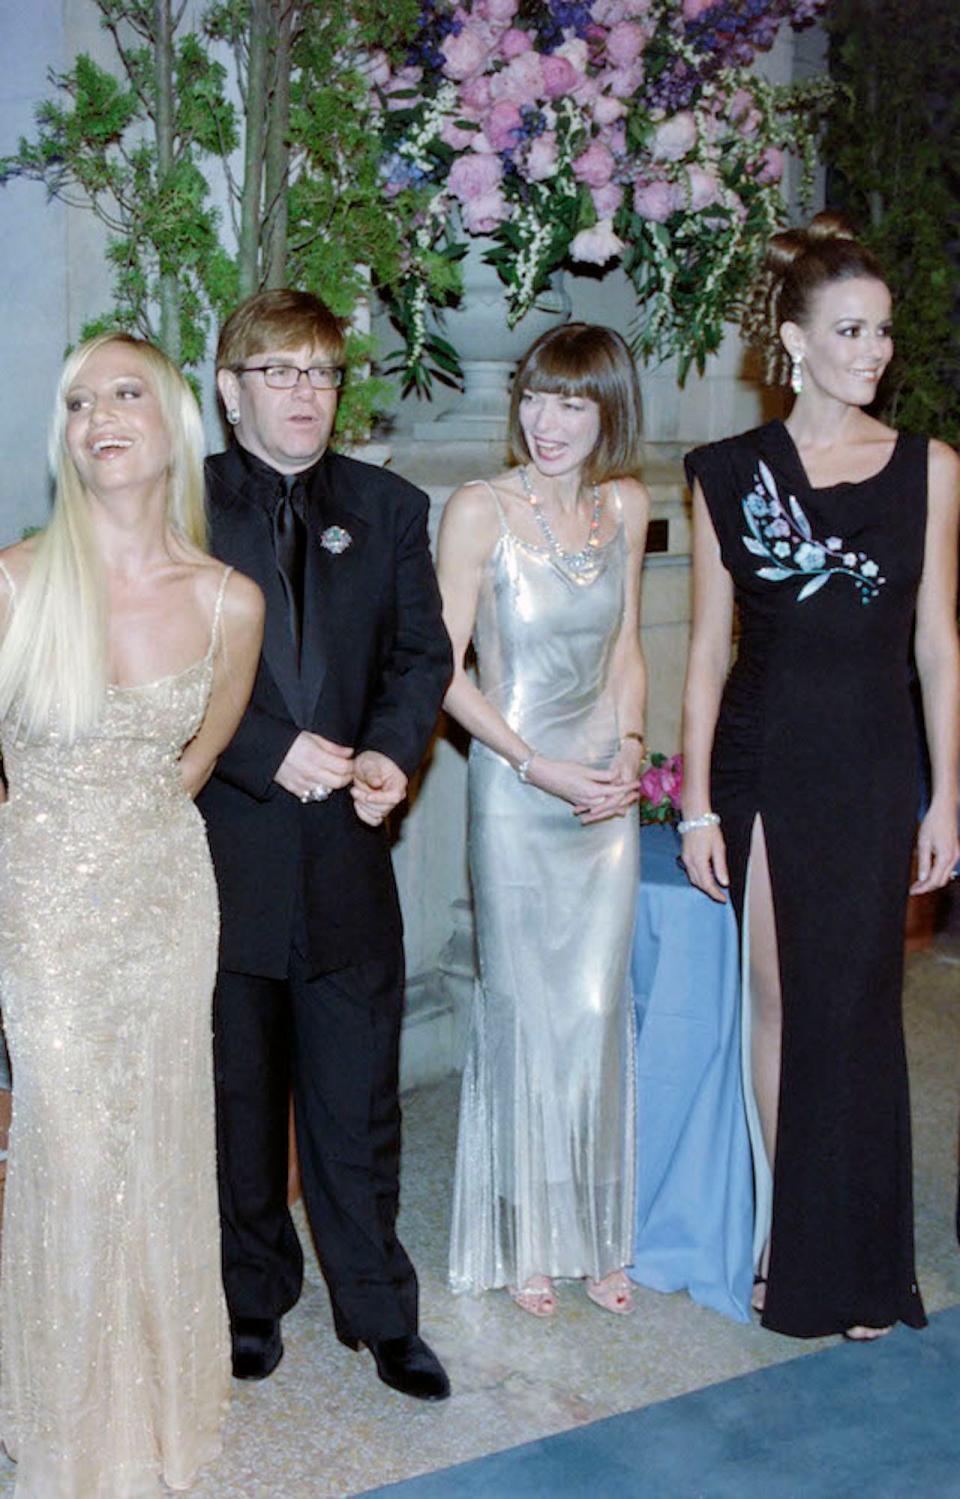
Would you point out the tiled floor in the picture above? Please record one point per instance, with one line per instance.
(324, 1426)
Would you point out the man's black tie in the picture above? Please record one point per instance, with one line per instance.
(290, 541)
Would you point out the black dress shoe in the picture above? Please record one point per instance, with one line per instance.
(256, 1346)
(407, 1364)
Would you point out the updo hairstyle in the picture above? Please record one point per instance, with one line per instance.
(585, 360)
(797, 264)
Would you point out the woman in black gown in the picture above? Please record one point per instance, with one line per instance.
(835, 536)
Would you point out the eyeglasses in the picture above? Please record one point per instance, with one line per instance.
(286, 376)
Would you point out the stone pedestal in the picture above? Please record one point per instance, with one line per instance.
(488, 347)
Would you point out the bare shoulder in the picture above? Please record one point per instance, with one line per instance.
(470, 519)
(635, 504)
(16, 561)
(243, 600)
(944, 468)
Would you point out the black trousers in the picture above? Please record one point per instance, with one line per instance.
(335, 1040)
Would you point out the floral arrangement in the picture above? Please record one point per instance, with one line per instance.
(588, 131)
(660, 788)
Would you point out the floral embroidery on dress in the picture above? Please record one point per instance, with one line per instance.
(782, 534)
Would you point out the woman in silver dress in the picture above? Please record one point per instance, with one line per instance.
(540, 569)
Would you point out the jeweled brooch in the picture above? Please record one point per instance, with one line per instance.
(335, 539)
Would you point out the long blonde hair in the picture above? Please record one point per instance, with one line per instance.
(53, 661)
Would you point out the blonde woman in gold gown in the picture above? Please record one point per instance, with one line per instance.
(127, 657)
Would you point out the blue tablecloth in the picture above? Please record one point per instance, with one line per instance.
(694, 1174)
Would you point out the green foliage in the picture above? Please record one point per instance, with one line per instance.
(894, 147)
(98, 145)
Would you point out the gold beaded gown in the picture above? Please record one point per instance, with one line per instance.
(115, 1353)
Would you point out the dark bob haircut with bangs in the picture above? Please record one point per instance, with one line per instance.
(582, 359)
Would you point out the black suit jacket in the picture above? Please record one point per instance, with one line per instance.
(376, 662)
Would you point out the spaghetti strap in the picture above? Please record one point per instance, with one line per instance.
(5, 571)
(496, 499)
(217, 612)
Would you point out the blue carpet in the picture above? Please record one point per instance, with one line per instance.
(880, 1422)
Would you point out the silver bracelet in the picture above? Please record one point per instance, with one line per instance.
(705, 820)
(523, 769)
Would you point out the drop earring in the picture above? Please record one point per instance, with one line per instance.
(233, 416)
(796, 373)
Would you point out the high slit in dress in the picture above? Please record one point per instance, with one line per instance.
(816, 738)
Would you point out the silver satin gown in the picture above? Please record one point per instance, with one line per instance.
(545, 1157)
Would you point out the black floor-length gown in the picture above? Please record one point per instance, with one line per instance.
(816, 738)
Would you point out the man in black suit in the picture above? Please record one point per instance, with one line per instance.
(309, 995)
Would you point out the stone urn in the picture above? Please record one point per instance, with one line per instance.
(488, 347)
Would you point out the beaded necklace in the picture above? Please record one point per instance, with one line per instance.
(577, 562)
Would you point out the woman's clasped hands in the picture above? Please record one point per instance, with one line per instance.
(594, 794)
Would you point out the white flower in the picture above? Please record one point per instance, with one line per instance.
(782, 549)
(834, 543)
(810, 557)
(849, 559)
(869, 569)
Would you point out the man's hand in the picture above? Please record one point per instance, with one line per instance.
(378, 786)
(314, 761)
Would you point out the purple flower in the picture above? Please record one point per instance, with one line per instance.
(474, 176)
(657, 200)
(594, 166)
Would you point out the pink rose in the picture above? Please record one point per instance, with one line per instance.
(703, 188)
(674, 137)
(474, 176)
(376, 68)
(465, 53)
(650, 788)
(608, 12)
(455, 136)
(475, 95)
(772, 168)
(401, 91)
(624, 82)
(594, 166)
(694, 9)
(607, 199)
(542, 157)
(614, 137)
(497, 12)
(587, 89)
(625, 42)
(513, 42)
(597, 245)
(740, 102)
(559, 76)
(483, 214)
(502, 124)
(656, 201)
(521, 80)
(607, 109)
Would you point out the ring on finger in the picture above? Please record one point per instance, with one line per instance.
(318, 793)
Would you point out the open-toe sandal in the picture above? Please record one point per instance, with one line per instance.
(536, 1297)
(861, 1334)
(613, 1293)
(758, 1298)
